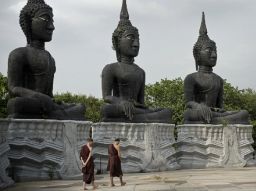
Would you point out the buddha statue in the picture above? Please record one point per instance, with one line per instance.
(123, 82)
(204, 89)
(31, 70)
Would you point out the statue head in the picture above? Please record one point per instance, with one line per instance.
(125, 38)
(36, 21)
(204, 51)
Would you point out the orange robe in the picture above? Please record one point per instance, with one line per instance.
(88, 170)
(114, 162)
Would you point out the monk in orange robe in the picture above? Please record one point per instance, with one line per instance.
(114, 162)
(87, 164)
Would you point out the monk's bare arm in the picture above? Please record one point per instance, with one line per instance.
(82, 161)
(118, 150)
(90, 155)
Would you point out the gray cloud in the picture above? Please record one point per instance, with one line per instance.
(168, 29)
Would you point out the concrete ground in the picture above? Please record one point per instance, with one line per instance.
(239, 179)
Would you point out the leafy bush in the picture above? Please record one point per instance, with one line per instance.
(92, 104)
(167, 94)
(3, 96)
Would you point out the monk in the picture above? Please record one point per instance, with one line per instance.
(87, 164)
(114, 162)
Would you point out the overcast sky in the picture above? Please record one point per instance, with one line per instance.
(168, 29)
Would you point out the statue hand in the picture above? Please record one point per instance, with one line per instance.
(136, 104)
(205, 112)
(128, 108)
(221, 110)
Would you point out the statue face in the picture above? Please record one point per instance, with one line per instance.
(208, 55)
(129, 44)
(42, 25)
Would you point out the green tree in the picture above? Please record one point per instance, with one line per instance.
(92, 104)
(167, 94)
(3, 96)
(232, 97)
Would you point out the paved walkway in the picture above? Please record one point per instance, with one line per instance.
(243, 179)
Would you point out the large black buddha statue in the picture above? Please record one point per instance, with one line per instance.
(204, 89)
(31, 70)
(123, 82)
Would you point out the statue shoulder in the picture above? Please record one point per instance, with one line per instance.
(18, 55)
(218, 77)
(50, 55)
(190, 77)
(18, 52)
(139, 68)
(109, 68)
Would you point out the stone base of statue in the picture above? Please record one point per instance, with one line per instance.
(5, 180)
(46, 149)
(49, 149)
(145, 147)
(206, 146)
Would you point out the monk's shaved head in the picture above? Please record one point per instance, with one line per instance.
(89, 140)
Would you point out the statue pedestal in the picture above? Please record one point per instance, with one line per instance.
(206, 146)
(5, 180)
(45, 149)
(145, 147)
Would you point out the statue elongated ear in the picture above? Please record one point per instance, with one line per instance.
(197, 63)
(25, 23)
(118, 54)
(29, 29)
(115, 42)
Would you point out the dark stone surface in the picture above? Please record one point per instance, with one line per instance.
(204, 89)
(31, 70)
(123, 82)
